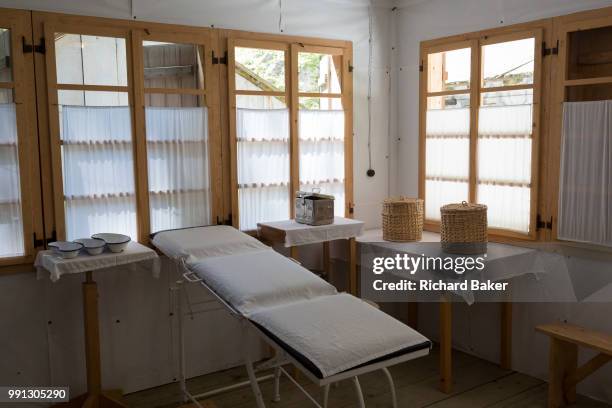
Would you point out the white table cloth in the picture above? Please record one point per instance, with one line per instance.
(58, 266)
(303, 234)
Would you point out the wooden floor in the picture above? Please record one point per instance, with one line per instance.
(478, 383)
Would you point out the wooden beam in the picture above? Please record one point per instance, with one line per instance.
(586, 369)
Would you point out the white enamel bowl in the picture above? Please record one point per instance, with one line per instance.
(115, 242)
(92, 246)
(66, 249)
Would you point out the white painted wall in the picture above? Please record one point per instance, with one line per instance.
(476, 328)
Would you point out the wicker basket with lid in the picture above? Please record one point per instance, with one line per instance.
(402, 219)
(463, 228)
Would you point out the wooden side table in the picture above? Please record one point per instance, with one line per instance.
(57, 266)
(292, 234)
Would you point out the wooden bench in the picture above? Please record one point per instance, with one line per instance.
(564, 372)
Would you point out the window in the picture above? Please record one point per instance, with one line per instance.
(91, 117)
(288, 121)
(177, 134)
(321, 125)
(262, 134)
(480, 128)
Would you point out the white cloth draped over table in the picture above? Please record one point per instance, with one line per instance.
(585, 185)
(178, 166)
(98, 170)
(263, 165)
(321, 135)
(504, 165)
(11, 225)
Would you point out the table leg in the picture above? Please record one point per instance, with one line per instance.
(327, 260)
(293, 252)
(446, 349)
(353, 276)
(95, 397)
(506, 336)
(413, 315)
(92, 335)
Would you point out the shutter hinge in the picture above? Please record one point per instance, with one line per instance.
(541, 224)
(219, 60)
(350, 68)
(550, 51)
(27, 48)
(421, 67)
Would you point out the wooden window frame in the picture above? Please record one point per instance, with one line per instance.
(475, 41)
(210, 90)
(134, 33)
(22, 84)
(291, 46)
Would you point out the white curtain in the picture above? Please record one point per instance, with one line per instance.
(263, 165)
(585, 184)
(11, 226)
(447, 158)
(504, 165)
(321, 135)
(179, 180)
(98, 170)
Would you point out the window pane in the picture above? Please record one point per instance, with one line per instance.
(177, 157)
(505, 127)
(260, 69)
(97, 161)
(90, 60)
(321, 135)
(442, 192)
(321, 103)
(263, 163)
(319, 72)
(447, 147)
(170, 65)
(11, 224)
(589, 53)
(6, 71)
(508, 63)
(449, 70)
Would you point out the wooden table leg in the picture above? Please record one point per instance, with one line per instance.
(352, 255)
(563, 362)
(327, 260)
(446, 348)
(506, 336)
(95, 397)
(92, 335)
(294, 253)
(413, 315)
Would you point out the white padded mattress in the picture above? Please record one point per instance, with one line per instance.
(258, 280)
(340, 332)
(194, 244)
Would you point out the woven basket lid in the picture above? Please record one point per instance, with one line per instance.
(463, 206)
(394, 200)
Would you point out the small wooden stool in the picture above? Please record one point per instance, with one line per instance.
(564, 372)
